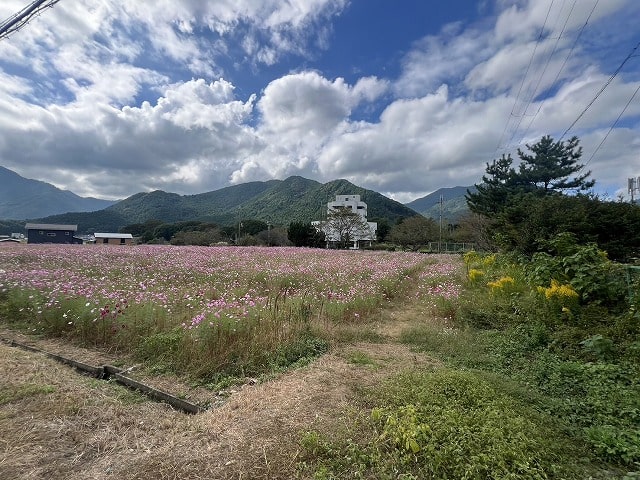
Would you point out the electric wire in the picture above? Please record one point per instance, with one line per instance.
(526, 73)
(606, 84)
(544, 70)
(20, 19)
(613, 126)
(561, 69)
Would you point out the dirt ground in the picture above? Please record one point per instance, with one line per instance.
(59, 424)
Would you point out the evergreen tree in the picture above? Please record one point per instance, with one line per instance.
(305, 235)
(551, 165)
(497, 185)
(550, 168)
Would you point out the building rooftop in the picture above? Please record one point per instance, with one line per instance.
(50, 226)
(112, 235)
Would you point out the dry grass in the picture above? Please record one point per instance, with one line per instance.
(57, 424)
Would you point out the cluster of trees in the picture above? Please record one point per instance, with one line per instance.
(193, 232)
(523, 208)
(516, 207)
(408, 233)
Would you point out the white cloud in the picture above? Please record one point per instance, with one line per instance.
(194, 127)
(452, 100)
(418, 144)
(299, 114)
(523, 20)
(441, 58)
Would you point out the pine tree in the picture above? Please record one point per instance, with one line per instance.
(550, 168)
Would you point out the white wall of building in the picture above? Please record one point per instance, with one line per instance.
(355, 205)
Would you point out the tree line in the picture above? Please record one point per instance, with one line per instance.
(409, 233)
(522, 208)
(518, 206)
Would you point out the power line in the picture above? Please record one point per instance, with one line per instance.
(613, 125)
(606, 84)
(526, 73)
(17, 21)
(564, 63)
(544, 70)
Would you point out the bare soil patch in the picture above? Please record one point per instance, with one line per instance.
(58, 424)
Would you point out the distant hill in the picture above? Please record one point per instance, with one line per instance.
(279, 202)
(303, 200)
(23, 198)
(454, 204)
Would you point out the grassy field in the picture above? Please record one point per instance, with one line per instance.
(198, 311)
(314, 365)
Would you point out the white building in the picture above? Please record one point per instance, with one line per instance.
(113, 238)
(361, 233)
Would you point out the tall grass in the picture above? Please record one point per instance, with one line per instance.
(199, 310)
(563, 331)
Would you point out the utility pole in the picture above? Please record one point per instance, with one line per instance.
(440, 238)
(268, 234)
(634, 185)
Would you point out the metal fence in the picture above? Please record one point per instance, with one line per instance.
(450, 247)
(632, 273)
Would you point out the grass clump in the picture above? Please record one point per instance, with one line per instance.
(566, 331)
(444, 424)
(17, 392)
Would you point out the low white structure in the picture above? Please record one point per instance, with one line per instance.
(114, 238)
(358, 230)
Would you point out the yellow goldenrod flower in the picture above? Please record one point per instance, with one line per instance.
(489, 260)
(475, 274)
(470, 257)
(501, 284)
(560, 293)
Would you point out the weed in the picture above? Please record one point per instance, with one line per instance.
(446, 424)
(18, 392)
(359, 357)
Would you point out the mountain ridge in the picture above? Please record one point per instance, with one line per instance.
(454, 204)
(22, 198)
(278, 202)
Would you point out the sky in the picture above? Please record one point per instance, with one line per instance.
(108, 98)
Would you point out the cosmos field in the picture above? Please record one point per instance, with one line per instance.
(193, 304)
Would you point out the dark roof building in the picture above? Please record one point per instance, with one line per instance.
(51, 233)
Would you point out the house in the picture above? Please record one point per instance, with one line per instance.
(4, 239)
(356, 229)
(113, 238)
(51, 233)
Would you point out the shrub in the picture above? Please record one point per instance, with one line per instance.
(584, 267)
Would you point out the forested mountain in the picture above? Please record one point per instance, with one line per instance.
(454, 204)
(278, 202)
(22, 198)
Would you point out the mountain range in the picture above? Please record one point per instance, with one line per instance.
(22, 198)
(452, 207)
(279, 202)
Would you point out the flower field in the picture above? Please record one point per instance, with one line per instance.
(201, 309)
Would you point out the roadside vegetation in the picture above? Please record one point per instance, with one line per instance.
(541, 347)
(541, 380)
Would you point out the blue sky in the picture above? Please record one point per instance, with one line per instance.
(109, 98)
